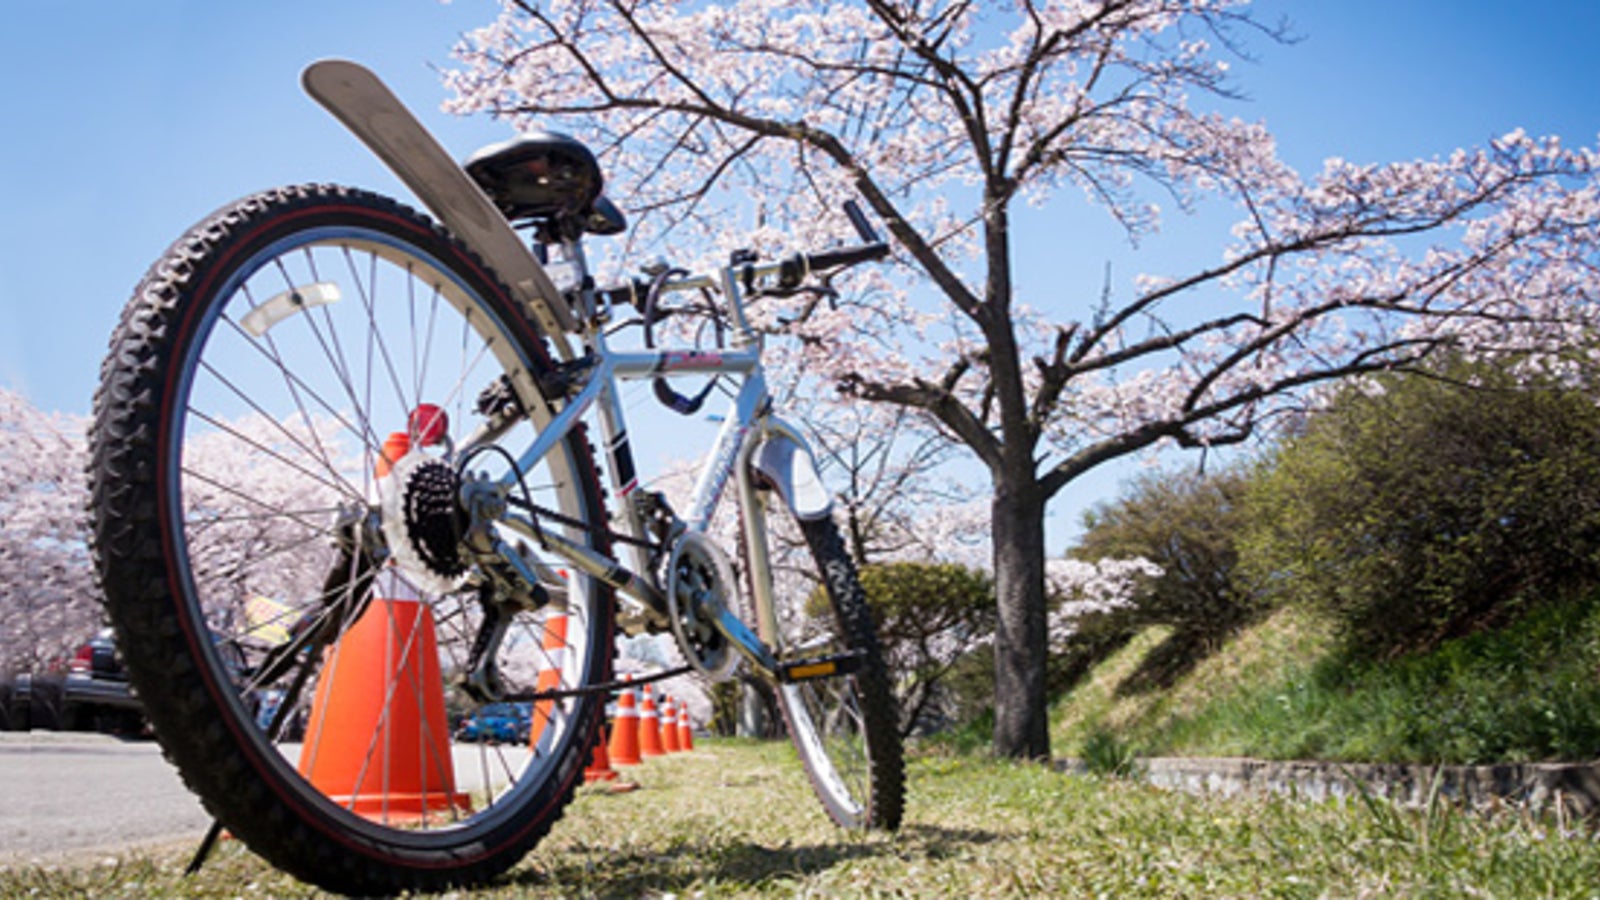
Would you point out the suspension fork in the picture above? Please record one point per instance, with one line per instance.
(777, 452)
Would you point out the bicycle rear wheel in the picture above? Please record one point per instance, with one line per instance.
(845, 728)
(247, 545)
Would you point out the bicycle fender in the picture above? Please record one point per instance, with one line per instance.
(784, 461)
(363, 104)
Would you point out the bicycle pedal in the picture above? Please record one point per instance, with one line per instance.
(820, 667)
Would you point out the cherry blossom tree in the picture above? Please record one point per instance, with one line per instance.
(242, 542)
(259, 518)
(944, 115)
(897, 500)
(47, 592)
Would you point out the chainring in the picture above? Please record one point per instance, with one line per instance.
(700, 585)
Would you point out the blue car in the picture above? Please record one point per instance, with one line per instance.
(497, 723)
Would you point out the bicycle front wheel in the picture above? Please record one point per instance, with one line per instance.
(279, 440)
(845, 727)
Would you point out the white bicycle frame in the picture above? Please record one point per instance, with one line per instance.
(751, 440)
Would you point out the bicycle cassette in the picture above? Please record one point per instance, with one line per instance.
(700, 588)
(423, 521)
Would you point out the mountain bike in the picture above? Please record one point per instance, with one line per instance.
(322, 410)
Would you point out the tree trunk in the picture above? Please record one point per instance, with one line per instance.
(1021, 720)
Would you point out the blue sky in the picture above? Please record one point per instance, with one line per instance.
(128, 121)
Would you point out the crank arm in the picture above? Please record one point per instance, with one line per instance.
(751, 647)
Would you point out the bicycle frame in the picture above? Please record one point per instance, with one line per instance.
(751, 439)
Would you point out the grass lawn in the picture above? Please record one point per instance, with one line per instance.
(736, 818)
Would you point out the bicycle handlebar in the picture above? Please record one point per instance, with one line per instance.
(743, 273)
(790, 271)
(871, 247)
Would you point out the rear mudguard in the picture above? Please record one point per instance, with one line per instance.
(359, 100)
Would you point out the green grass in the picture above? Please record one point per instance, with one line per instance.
(1283, 690)
(737, 819)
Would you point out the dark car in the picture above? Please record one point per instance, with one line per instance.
(497, 723)
(91, 692)
(96, 694)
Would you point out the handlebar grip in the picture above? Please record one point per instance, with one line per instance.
(847, 256)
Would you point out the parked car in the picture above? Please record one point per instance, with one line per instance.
(96, 694)
(91, 692)
(497, 723)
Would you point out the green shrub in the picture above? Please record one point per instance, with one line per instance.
(1422, 508)
(934, 620)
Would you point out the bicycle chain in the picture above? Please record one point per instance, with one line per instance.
(616, 536)
(605, 687)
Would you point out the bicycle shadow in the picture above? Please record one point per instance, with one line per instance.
(737, 864)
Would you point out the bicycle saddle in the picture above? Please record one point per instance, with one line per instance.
(542, 176)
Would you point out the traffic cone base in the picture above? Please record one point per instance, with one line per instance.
(599, 763)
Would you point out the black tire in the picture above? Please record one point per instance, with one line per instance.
(45, 700)
(845, 728)
(235, 438)
(76, 717)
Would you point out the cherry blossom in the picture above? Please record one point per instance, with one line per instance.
(47, 593)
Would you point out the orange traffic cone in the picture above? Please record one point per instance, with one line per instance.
(555, 643)
(600, 763)
(649, 727)
(378, 742)
(600, 769)
(669, 725)
(685, 730)
(397, 445)
(625, 732)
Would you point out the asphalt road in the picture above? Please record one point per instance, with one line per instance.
(67, 796)
(70, 795)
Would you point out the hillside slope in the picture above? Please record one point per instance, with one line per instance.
(1284, 689)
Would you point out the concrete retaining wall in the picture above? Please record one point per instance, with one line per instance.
(1536, 786)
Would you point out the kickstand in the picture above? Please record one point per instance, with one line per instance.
(275, 728)
(204, 850)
